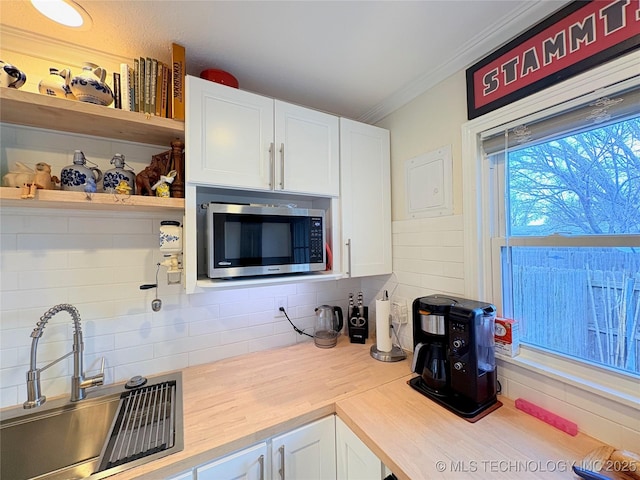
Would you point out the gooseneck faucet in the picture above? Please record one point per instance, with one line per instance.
(79, 383)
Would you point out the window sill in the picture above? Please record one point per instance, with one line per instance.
(609, 384)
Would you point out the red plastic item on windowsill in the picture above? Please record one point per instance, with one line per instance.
(547, 416)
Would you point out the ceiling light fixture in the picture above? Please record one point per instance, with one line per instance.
(65, 12)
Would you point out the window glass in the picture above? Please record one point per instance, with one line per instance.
(584, 184)
(568, 242)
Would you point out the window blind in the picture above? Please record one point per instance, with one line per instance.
(576, 116)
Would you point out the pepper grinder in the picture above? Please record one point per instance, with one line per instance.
(177, 164)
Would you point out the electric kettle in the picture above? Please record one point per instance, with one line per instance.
(329, 322)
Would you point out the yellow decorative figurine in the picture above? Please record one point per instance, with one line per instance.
(123, 188)
(162, 186)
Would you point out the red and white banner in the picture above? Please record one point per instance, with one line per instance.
(574, 39)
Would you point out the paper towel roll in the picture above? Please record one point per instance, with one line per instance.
(383, 332)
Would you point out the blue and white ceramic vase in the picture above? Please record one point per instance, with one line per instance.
(90, 86)
(113, 178)
(78, 177)
(57, 84)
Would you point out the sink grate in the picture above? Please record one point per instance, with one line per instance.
(144, 425)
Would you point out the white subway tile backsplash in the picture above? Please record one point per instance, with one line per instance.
(138, 353)
(9, 395)
(169, 346)
(206, 355)
(9, 280)
(110, 226)
(58, 242)
(20, 261)
(8, 241)
(249, 333)
(240, 308)
(98, 267)
(154, 365)
(8, 357)
(272, 341)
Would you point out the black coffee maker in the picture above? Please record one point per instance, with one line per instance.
(454, 353)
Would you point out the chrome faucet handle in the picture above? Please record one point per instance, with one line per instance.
(95, 380)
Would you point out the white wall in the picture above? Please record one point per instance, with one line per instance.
(427, 252)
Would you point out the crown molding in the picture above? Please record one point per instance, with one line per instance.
(50, 48)
(491, 38)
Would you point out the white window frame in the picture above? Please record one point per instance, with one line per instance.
(477, 177)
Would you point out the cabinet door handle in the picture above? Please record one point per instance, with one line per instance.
(282, 166)
(281, 470)
(348, 244)
(261, 462)
(272, 167)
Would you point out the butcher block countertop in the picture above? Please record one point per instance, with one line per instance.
(236, 402)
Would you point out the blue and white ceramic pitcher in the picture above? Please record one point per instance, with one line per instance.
(11, 76)
(90, 86)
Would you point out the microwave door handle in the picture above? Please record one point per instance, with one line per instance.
(282, 166)
(272, 168)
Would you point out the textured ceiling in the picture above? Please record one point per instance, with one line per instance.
(358, 59)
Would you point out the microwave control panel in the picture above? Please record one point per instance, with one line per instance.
(316, 241)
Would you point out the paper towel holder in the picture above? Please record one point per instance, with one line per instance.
(396, 353)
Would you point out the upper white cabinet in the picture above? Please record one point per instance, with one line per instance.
(241, 140)
(229, 136)
(305, 453)
(365, 198)
(308, 153)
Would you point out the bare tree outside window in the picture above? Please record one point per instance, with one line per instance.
(579, 297)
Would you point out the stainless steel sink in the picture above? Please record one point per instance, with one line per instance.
(64, 440)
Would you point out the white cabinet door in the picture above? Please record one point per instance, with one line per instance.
(247, 464)
(228, 136)
(307, 453)
(182, 476)
(354, 459)
(307, 150)
(365, 198)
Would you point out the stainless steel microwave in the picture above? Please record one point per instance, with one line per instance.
(248, 240)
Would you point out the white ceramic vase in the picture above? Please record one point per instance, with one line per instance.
(89, 86)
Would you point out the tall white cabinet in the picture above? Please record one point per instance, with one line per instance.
(241, 140)
(365, 198)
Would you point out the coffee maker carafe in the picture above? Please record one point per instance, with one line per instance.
(430, 353)
(454, 354)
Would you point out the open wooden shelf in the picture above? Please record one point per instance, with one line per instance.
(53, 113)
(11, 197)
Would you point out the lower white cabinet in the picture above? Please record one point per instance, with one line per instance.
(183, 476)
(355, 461)
(247, 464)
(306, 453)
(323, 450)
